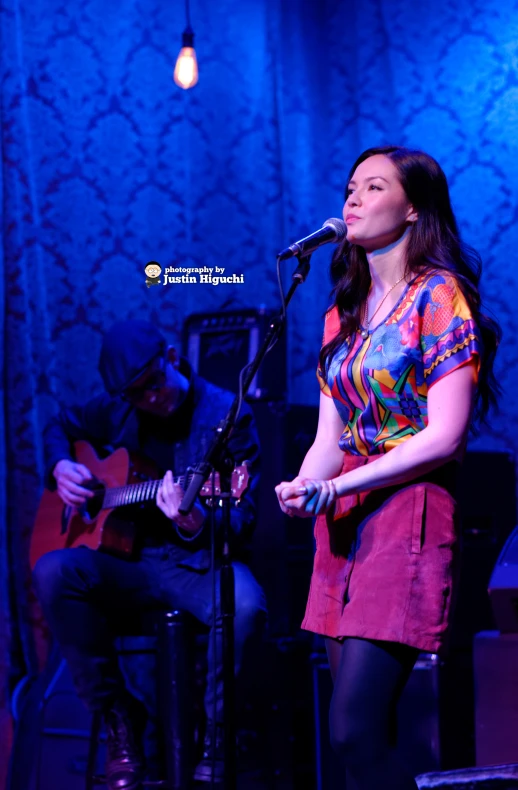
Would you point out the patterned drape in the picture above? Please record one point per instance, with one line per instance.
(106, 165)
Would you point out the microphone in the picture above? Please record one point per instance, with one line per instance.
(332, 230)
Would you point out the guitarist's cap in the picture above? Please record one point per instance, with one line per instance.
(127, 349)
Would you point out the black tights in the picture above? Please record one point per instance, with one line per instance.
(368, 680)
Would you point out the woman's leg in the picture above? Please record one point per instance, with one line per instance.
(368, 680)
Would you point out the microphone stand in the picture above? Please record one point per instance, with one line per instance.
(217, 458)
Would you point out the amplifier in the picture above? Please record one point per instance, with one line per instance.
(487, 504)
(495, 660)
(53, 728)
(503, 586)
(418, 722)
(219, 345)
(282, 547)
(50, 748)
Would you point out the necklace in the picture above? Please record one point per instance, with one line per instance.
(365, 332)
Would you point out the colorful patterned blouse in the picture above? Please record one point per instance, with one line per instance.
(379, 384)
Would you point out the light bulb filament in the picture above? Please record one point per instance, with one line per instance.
(186, 69)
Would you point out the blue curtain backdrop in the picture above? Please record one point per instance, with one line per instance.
(106, 165)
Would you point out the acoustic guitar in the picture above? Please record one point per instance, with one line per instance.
(99, 523)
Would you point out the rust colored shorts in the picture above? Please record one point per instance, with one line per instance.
(386, 562)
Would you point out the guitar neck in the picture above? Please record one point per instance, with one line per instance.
(136, 493)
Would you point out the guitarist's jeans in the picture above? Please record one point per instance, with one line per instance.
(80, 591)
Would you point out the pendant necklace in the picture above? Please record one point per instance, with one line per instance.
(364, 333)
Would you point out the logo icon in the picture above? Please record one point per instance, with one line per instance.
(153, 271)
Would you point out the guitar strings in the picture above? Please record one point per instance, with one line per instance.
(132, 492)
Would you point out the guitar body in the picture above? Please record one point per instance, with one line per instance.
(59, 526)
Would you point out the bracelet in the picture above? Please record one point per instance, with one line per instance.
(187, 536)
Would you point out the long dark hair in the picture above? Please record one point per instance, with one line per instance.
(433, 244)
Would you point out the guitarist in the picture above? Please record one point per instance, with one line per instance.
(155, 405)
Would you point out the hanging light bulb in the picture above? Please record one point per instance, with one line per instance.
(186, 69)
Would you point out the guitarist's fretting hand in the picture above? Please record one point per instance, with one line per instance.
(69, 476)
(169, 498)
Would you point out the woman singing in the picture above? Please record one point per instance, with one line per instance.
(406, 361)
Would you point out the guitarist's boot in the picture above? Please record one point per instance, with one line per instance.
(125, 724)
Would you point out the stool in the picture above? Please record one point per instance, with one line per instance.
(172, 676)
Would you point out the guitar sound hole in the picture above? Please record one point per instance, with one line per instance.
(92, 507)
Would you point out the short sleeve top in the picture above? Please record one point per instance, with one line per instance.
(380, 383)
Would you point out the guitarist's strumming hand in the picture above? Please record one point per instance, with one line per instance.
(169, 498)
(69, 477)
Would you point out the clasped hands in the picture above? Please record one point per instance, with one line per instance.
(306, 497)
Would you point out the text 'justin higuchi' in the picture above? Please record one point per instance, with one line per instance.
(174, 275)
